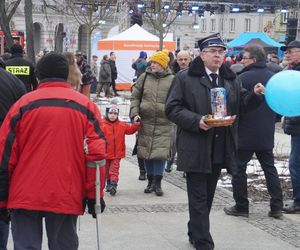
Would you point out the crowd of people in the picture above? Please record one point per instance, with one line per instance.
(48, 169)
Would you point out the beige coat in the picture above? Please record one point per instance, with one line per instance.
(154, 140)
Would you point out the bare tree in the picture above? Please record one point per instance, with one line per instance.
(90, 13)
(7, 10)
(29, 30)
(161, 15)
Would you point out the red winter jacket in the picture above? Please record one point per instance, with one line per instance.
(43, 160)
(115, 135)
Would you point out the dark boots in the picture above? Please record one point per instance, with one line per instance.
(150, 186)
(157, 188)
(154, 184)
(141, 163)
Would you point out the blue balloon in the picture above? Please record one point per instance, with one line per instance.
(283, 93)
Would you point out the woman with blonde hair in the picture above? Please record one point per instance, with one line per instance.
(74, 77)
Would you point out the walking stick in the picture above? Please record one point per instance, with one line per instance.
(97, 203)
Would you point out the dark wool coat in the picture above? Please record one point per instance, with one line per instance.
(257, 127)
(188, 100)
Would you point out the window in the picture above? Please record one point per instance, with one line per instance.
(203, 25)
(213, 25)
(247, 25)
(223, 25)
(232, 25)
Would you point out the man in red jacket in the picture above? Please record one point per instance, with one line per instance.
(115, 131)
(44, 170)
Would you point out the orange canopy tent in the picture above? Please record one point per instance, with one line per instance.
(127, 46)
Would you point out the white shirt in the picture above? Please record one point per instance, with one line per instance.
(208, 72)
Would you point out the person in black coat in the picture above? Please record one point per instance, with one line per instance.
(291, 126)
(202, 151)
(114, 72)
(11, 89)
(255, 135)
(21, 67)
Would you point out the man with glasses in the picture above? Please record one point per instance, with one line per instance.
(291, 126)
(204, 150)
(259, 123)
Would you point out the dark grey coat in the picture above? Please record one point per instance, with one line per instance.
(188, 100)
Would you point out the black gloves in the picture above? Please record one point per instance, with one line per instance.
(90, 203)
(4, 215)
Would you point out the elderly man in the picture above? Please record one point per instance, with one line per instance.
(291, 127)
(183, 60)
(204, 150)
(259, 123)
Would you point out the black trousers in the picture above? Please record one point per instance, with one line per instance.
(27, 230)
(201, 189)
(239, 179)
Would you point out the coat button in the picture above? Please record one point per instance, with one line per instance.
(217, 135)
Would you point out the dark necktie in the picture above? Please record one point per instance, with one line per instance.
(214, 78)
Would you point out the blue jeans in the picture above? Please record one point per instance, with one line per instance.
(155, 167)
(294, 166)
(4, 229)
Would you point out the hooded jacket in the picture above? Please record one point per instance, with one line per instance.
(115, 135)
(188, 100)
(43, 161)
(148, 101)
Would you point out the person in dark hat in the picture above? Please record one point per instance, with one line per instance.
(291, 126)
(21, 67)
(46, 174)
(203, 150)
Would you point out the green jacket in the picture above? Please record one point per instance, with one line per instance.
(148, 101)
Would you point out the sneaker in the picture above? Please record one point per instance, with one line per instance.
(275, 214)
(234, 212)
(291, 208)
(168, 170)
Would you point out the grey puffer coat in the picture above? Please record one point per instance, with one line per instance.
(105, 72)
(148, 101)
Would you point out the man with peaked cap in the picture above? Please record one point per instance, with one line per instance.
(44, 170)
(204, 150)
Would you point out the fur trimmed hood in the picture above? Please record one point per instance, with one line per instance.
(197, 69)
